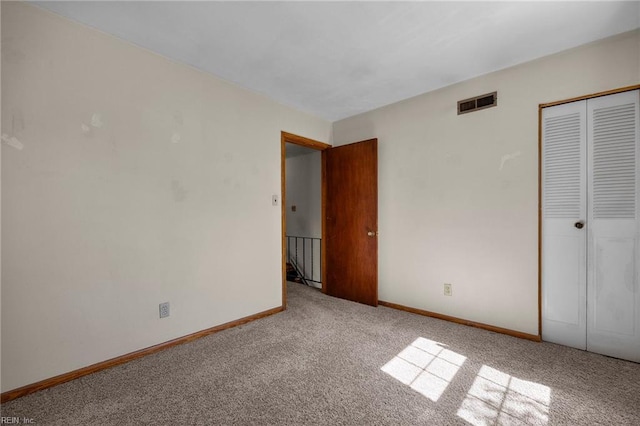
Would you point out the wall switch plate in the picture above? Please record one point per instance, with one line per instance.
(447, 289)
(274, 200)
(164, 310)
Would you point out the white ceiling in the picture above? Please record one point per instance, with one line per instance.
(338, 59)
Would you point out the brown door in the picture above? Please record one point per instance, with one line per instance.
(351, 221)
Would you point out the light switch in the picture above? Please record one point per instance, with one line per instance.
(274, 200)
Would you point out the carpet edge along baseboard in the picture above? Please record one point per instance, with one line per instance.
(518, 334)
(72, 375)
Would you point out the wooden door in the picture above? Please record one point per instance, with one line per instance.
(351, 221)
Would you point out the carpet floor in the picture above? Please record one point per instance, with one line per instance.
(326, 361)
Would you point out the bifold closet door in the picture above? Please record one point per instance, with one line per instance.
(613, 275)
(564, 208)
(591, 226)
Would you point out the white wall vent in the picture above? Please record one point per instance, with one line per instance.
(477, 103)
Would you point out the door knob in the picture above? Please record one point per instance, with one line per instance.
(371, 234)
(579, 224)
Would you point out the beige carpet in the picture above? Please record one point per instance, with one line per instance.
(333, 362)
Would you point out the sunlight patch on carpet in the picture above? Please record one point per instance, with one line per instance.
(498, 397)
(426, 366)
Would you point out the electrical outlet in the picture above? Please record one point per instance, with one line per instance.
(447, 289)
(164, 310)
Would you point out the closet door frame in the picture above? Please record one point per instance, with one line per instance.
(541, 107)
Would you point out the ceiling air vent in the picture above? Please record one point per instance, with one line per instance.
(477, 103)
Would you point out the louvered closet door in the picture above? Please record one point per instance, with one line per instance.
(564, 260)
(613, 285)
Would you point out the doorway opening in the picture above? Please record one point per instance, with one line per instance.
(302, 204)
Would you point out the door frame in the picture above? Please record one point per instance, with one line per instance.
(540, 108)
(285, 138)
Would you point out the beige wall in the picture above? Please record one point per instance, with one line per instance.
(132, 180)
(458, 195)
(304, 190)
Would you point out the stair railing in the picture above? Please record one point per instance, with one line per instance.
(305, 255)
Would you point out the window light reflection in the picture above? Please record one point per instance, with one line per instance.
(426, 366)
(498, 397)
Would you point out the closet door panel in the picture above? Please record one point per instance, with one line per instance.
(563, 262)
(613, 293)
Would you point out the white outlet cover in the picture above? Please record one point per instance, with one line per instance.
(164, 310)
(447, 289)
(274, 200)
